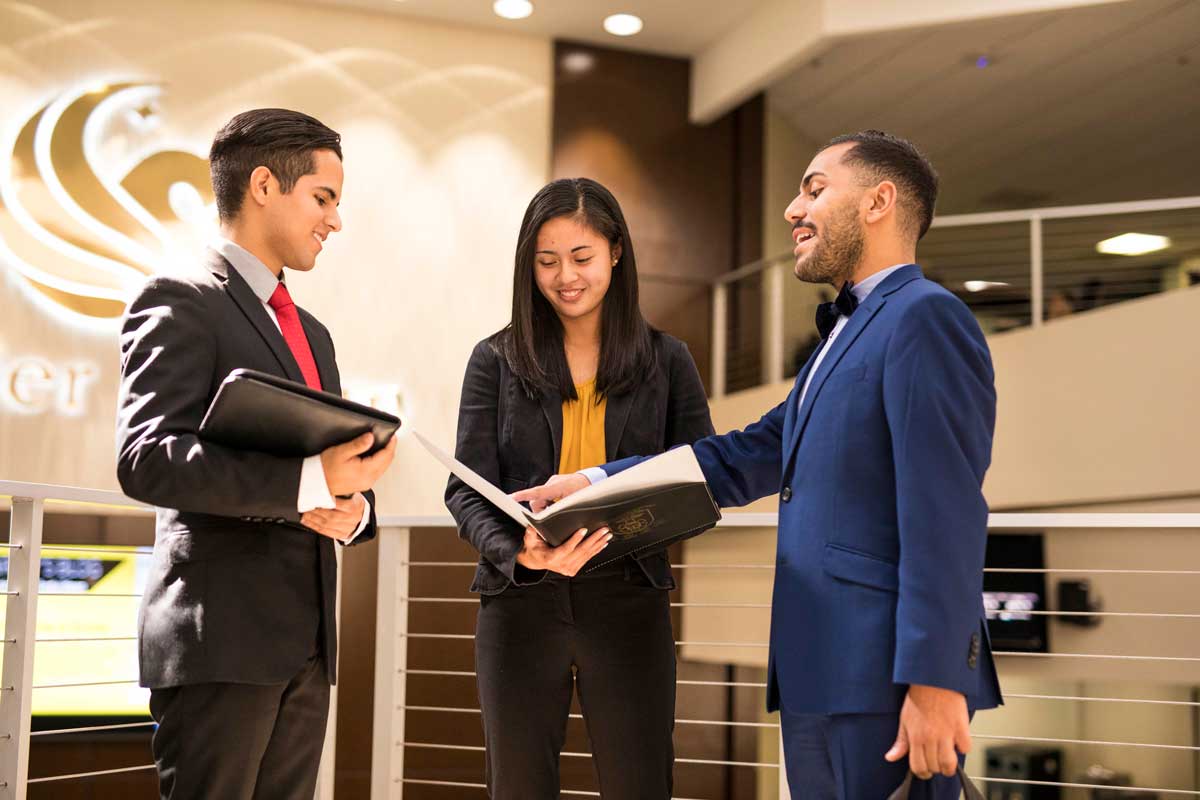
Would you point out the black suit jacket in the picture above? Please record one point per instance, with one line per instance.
(239, 591)
(515, 442)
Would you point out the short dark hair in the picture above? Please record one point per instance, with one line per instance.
(532, 343)
(283, 141)
(886, 157)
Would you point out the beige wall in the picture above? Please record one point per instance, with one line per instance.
(1095, 407)
(446, 137)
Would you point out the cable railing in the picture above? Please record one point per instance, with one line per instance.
(425, 672)
(427, 741)
(30, 562)
(1014, 269)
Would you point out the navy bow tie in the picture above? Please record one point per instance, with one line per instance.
(828, 313)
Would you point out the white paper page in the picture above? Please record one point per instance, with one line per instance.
(674, 466)
(477, 482)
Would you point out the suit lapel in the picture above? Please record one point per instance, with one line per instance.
(552, 408)
(857, 323)
(252, 307)
(793, 402)
(616, 414)
(326, 367)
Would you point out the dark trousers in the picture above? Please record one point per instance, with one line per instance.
(238, 741)
(613, 631)
(840, 757)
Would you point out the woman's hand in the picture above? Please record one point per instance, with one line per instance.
(566, 559)
(553, 490)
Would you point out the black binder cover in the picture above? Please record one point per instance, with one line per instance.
(643, 524)
(256, 411)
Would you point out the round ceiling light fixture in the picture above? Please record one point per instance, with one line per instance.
(512, 9)
(623, 24)
(578, 62)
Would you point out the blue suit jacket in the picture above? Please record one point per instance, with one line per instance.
(882, 521)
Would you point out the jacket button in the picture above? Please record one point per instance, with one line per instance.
(972, 661)
(786, 494)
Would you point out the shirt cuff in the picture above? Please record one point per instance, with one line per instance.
(362, 523)
(593, 474)
(314, 491)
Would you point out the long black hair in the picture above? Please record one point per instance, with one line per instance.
(532, 342)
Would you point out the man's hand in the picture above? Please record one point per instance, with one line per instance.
(553, 490)
(566, 559)
(934, 728)
(346, 469)
(337, 523)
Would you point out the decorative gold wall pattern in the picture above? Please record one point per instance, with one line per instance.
(109, 111)
(82, 235)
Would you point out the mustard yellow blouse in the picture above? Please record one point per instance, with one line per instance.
(583, 430)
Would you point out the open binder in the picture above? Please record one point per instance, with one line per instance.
(257, 411)
(647, 507)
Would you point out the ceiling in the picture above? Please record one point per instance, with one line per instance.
(1092, 104)
(1096, 103)
(671, 28)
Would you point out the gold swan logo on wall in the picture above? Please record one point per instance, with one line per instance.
(87, 210)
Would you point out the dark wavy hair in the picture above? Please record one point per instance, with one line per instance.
(283, 141)
(882, 156)
(532, 342)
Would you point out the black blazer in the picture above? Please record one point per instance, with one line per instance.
(238, 590)
(515, 442)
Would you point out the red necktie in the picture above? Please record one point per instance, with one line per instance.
(293, 334)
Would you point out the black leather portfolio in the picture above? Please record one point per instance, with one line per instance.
(256, 411)
(647, 507)
(641, 522)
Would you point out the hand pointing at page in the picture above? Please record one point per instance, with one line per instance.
(553, 490)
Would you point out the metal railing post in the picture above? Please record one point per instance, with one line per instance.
(773, 288)
(391, 658)
(326, 771)
(720, 339)
(784, 792)
(1036, 266)
(20, 628)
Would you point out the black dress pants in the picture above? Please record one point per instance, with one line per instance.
(239, 741)
(612, 629)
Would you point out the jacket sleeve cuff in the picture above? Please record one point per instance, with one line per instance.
(517, 573)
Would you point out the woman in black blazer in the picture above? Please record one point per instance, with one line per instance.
(577, 349)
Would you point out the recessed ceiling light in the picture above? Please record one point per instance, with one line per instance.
(623, 24)
(979, 286)
(512, 9)
(578, 61)
(1133, 244)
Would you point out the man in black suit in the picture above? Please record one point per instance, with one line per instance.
(236, 636)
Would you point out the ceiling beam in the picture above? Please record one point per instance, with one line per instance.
(779, 35)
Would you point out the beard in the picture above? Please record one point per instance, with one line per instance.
(838, 250)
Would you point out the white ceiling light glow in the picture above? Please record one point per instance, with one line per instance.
(1133, 244)
(512, 9)
(623, 24)
(979, 286)
(578, 62)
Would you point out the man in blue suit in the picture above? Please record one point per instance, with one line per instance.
(879, 649)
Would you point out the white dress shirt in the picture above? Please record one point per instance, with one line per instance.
(314, 490)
